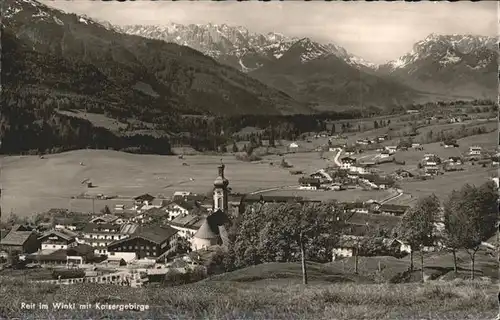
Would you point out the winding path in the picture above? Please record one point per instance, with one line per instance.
(337, 156)
(272, 189)
(399, 194)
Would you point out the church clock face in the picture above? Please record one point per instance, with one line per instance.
(219, 193)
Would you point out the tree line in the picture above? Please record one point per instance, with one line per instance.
(292, 232)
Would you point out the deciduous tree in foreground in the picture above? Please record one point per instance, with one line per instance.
(471, 215)
(417, 226)
(286, 233)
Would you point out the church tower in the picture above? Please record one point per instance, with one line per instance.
(220, 198)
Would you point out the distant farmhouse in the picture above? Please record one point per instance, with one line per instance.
(347, 162)
(58, 239)
(475, 151)
(20, 239)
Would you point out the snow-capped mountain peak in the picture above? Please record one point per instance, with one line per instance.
(39, 12)
(458, 64)
(240, 48)
(445, 49)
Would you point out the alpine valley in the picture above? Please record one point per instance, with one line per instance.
(70, 81)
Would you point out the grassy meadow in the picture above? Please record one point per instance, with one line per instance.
(268, 291)
(442, 185)
(31, 184)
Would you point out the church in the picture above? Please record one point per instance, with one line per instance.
(213, 232)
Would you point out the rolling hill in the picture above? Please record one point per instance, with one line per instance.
(169, 76)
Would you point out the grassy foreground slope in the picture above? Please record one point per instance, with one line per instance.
(221, 298)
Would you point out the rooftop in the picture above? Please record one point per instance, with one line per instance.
(94, 227)
(188, 221)
(62, 233)
(16, 238)
(348, 159)
(206, 232)
(155, 212)
(186, 204)
(144, 197)
(155, 234)
(107, 218)
(394, 207)
(128, 228)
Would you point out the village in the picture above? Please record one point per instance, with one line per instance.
(140, 243)
(133, 240)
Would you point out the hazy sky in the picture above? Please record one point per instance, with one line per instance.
(376, 31)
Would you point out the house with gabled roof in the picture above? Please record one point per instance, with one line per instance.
(147, 242)
(347, 162)
(105, 218)
(393, 209)
(58, 239)
(350, 151)
(475, 151)
(322, 175)
(143, 199)
(100, 235)
(403, 174)
(157, 215)
(70, 220)
(181, 207)
(20, 240)
(187, 225)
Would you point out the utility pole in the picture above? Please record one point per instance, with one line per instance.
(93, 208)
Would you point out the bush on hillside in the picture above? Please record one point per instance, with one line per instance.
(175, 278)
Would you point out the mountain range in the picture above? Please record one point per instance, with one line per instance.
(324, 74)
(235, 46)
(448, 65)
(153, 71)
(73, 55)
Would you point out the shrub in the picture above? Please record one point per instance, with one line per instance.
(242, 156)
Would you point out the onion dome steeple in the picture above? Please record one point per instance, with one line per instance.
(220, 181)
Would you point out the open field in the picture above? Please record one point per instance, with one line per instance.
(31, 184)
(307, 161)
(489, 140)
(98, 120)
(442, 185)
(412, 157)
(399, 127)
(344, 195)
(268, 291)
(436, 127)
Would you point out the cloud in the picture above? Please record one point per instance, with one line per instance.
(376, 31)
